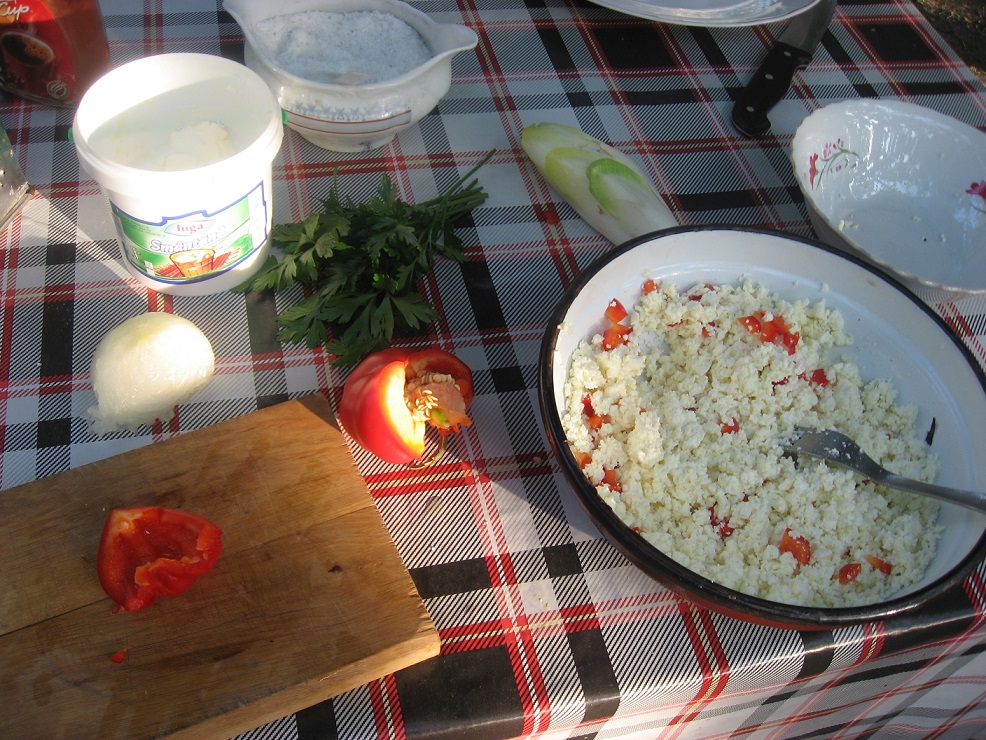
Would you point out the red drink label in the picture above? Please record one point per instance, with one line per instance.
(36, 53)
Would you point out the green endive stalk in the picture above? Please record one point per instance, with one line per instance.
(603, 185)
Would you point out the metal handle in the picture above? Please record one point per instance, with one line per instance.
(969, 499)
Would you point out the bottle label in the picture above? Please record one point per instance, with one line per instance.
(196, 245)
(35, 59)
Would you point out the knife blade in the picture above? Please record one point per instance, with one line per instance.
(792, 51)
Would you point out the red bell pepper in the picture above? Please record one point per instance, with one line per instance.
(880, 564)
(150, 551)
(775, 331)
(849, 573)
(616, 333)
(799, 547)
(391, 398)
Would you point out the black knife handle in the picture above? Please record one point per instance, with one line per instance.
(768, 85)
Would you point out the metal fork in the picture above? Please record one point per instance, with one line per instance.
(840, 449)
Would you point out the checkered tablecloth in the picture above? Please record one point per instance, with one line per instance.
(546, 630)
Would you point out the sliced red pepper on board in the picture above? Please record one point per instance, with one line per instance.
(392, 396)
(150, 551)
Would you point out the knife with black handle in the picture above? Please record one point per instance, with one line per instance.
(791, 52)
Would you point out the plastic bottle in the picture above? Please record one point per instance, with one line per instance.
(52, 50)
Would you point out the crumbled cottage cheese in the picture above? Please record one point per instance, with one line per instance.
(696, 407)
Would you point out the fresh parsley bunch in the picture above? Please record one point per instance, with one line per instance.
(360, 264)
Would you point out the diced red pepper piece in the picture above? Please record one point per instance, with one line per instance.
(720, 525)
(730, 427)
(752, 324)
(592, 419)
(614, 336)
(776, 330)
(611, 478)
(790, 341)
(587, 408)
(799, 547)
(649, 286)
(615, 311)
(119, 656)
(768, 332)
(849, 572)
(596, 421)
(698, 296)
(816, 377)
(582, 458)
(880, 564)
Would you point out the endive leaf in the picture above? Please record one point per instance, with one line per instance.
(603, 185)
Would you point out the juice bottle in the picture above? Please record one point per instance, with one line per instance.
(51, 50)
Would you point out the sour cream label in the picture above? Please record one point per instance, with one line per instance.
(189, 247)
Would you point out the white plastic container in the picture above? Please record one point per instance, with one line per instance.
(183, 146)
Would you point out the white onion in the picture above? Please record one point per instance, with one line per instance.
(146, 366)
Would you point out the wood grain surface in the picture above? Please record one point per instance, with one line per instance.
(308, 599)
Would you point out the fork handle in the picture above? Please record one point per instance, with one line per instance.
(969, 499)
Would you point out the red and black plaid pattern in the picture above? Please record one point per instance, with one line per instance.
(546, 630)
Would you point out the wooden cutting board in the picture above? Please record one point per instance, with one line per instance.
(308, 599)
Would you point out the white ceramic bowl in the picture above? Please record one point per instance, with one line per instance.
(709, 13)
(903, 187)
(354, 118)
(896, 336)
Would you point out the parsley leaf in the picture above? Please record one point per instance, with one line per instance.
(360, 264)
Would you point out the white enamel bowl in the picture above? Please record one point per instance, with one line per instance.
(896, 336)
(354, 118)
(901, 186)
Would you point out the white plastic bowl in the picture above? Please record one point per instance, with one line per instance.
(902, 187)
(354, 118)
(895, 335)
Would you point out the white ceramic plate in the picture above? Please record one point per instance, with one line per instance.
(710, 12)
(896, 336)
(901, 186)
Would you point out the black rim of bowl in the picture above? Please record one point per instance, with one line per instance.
(679, 579)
